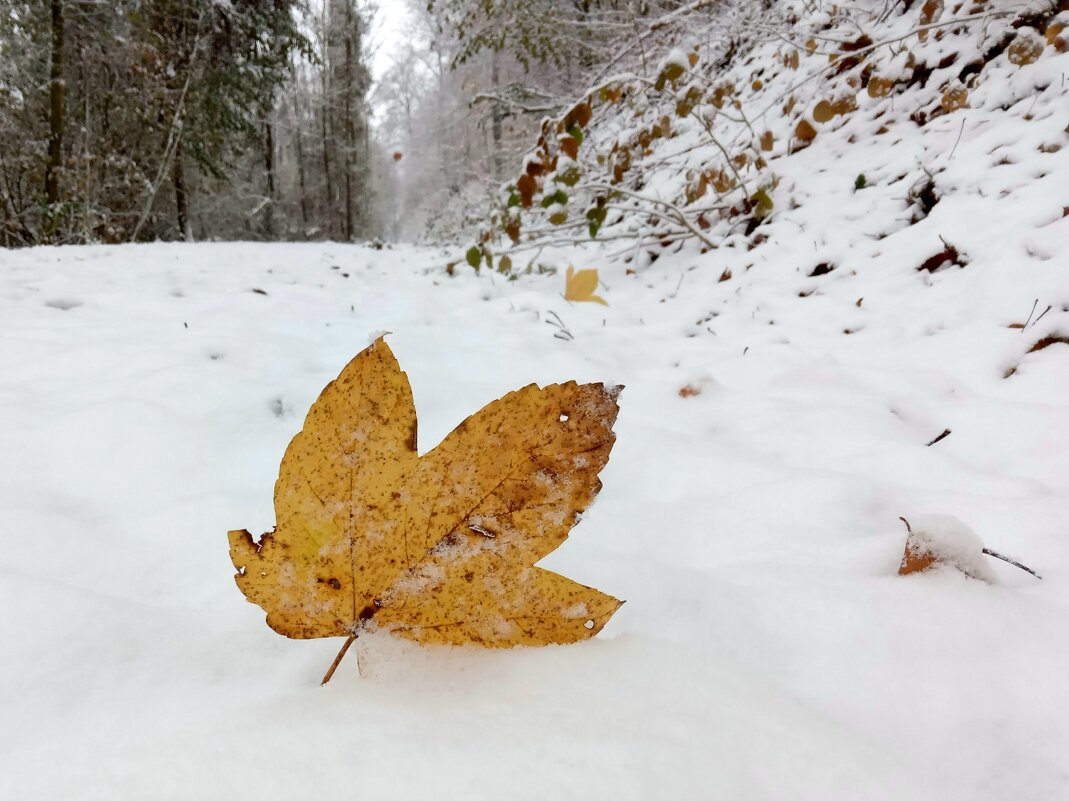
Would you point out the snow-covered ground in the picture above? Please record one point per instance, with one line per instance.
(768, 650)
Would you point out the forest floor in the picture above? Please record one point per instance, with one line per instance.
(772, 431)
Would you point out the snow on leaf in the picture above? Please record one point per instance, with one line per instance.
(439, 548)
(942, 540)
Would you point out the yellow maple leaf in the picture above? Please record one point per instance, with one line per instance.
(439, 548)
(580, 286)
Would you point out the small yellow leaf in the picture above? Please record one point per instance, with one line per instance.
(580, 286)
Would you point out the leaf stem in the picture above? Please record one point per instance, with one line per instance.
(337, 660)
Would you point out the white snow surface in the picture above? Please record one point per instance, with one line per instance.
(767, 649)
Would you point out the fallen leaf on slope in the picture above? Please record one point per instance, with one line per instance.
(439, 548)
(805, 132)
(1026, 47)
(580, 286)
(942, 540)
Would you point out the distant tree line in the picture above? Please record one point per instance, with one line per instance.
(466, 94)
(133, 120)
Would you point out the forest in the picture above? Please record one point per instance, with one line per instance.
(143, 120)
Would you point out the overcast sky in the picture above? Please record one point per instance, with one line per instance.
(387, 33)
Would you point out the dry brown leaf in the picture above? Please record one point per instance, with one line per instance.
(580, 115)
(526, 187)
(931, 11)
(805, 132)
(580, 286)
(955, 96)
(880, 87)
(845, 105)
(722, 181)
(570, 147)
(439, 548)
(1026, 47)
(823, 111)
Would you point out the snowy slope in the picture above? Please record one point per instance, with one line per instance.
(768, 650)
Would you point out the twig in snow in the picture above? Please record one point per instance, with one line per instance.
(1026, 322)
(1042, 316)
(997, 555)
(563, 332)
(944, 435)
(960, 132)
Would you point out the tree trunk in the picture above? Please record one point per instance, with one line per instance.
(327, 123)
(56, 117)
(326, 127)
(181, 195)
(269, 168)
(350, 131)
(300, 155)
(497, 117)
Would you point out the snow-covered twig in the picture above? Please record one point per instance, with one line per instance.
(1013, 562)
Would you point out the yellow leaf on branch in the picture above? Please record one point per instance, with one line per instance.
(439, 548)
(580, 286)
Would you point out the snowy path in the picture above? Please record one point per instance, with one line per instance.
(767, 650)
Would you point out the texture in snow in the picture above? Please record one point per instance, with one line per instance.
(767, 649)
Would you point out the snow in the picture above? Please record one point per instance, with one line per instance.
(767, 649)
